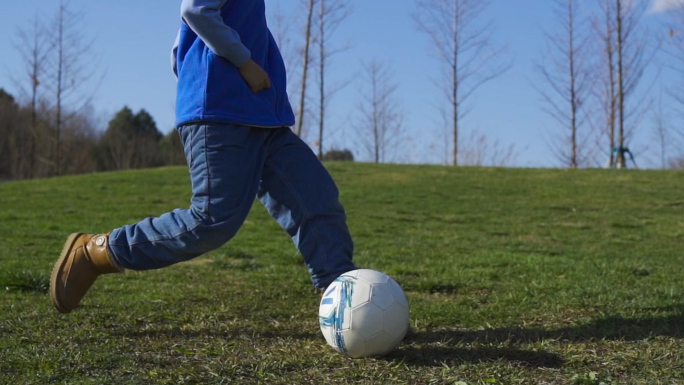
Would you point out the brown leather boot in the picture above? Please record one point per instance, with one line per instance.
(83, 259)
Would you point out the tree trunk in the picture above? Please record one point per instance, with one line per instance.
(302, 96)
(455, 79)
(35, 69)
(621, 91)
(611, 77)
(60, 63)
(573, 87)
(376, 128)
(321, 43)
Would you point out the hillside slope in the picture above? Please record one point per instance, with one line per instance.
(517, 275)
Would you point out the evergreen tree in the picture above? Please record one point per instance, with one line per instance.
(172, 149)
(130, 141)
(8, 131)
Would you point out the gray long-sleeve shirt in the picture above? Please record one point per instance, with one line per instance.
(204, 18)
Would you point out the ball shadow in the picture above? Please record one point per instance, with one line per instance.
(609, 328)
(438, 356)
(616, 328)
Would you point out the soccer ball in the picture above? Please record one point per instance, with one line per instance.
(364, 313)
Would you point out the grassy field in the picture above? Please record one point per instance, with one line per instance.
(514, 276)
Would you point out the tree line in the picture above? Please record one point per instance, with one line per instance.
(379, 129)
(590, 79)
(131, 140)
(50, 128)
(594, 85)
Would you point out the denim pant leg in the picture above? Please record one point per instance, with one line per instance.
(225, 168)
(303, 198)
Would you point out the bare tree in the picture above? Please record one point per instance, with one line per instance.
(32, 46)
(464, 47)
(480, 151)
(607, 94)
(310, 5)
(45, 128)
(72, 69)
(380, 124)
(331, 14)
(677, 163)
(477, 149)
(661, 132)
(281, 29)
(284, 26)
(630, 55)
(564, 72)
(676, 51)
(626, 53)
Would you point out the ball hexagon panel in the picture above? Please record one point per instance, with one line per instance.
(367, 319)
(354, 344)
(396, 320)
(372, 276)
(382, 296)
(398, 292)
(380, 344)
(361, 293)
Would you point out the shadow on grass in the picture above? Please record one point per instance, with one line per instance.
(615, 328)
(611, 328)
(176, 334)
(439, 356)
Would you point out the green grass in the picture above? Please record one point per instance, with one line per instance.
(514, 276)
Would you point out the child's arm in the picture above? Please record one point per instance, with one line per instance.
(174, 54)
(204, 18)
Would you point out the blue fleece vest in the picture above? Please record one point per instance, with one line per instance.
(211, 89)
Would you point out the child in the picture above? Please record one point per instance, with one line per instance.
(232, 113)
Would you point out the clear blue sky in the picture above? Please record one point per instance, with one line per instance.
(133, 39)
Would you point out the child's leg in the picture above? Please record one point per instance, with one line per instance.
(302, 196)
(225, 168)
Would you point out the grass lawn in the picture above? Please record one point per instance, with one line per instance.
(514, 276)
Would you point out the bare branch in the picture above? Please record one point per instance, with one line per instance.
(464, 47)
(564, 72)
(72, 70)
(380, 125)
(331, 14)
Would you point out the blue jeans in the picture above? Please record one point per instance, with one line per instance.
(230, 166)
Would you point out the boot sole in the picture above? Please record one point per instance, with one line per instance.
(68, 246)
